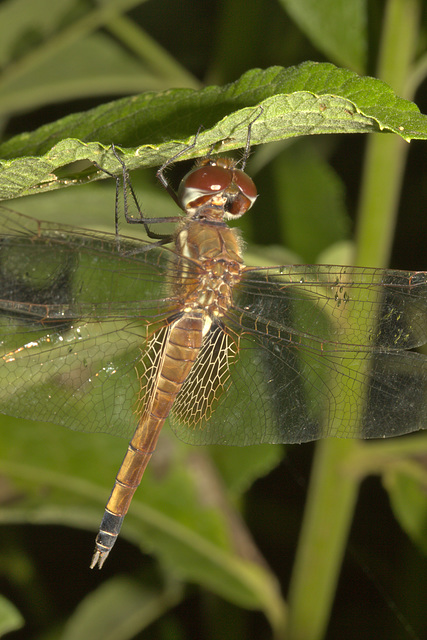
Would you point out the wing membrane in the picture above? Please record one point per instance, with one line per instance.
(75, 312)
(323, 352)
(207, 381)
(306, 351)
(58, 273)
(370, 308)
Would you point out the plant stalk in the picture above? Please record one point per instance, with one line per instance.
(333, 490)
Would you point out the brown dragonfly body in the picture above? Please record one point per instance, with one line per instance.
(101, 335)
(204, 290)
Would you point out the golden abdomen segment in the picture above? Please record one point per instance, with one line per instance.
(181, 343)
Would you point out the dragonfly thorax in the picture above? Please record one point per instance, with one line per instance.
(214, 267)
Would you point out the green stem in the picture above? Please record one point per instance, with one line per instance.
(333, 489)
(391, 455)
(386, 154)
(327, 519)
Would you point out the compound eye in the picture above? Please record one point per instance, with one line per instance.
(209, 179)
(242, 197)
(245, 184)
(201, 183)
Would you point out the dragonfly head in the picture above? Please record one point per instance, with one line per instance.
(217, 185)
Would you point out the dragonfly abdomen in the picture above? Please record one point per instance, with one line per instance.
(181, 343)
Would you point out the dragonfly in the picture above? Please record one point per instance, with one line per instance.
(100, 332)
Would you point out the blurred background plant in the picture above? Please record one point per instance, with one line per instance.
(216, 566)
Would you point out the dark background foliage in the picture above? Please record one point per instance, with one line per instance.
(43, 568)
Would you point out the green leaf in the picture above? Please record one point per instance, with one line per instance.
(304, 100)
(10, 618)
(337, 27)
(401, 464)
(24, 23)
(241, 466)
(408, 500)
(97, 66)
(50, 53)
(178, 514)
(119, 609)
(312, 210)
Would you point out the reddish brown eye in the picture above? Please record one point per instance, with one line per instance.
(204, 183)
(200, 184)
(210, 179)
(245, 184)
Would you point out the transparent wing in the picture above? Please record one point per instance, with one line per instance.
(75, 313)
(207, 382)
(58, 273)
(305, 352)
(322, 351)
